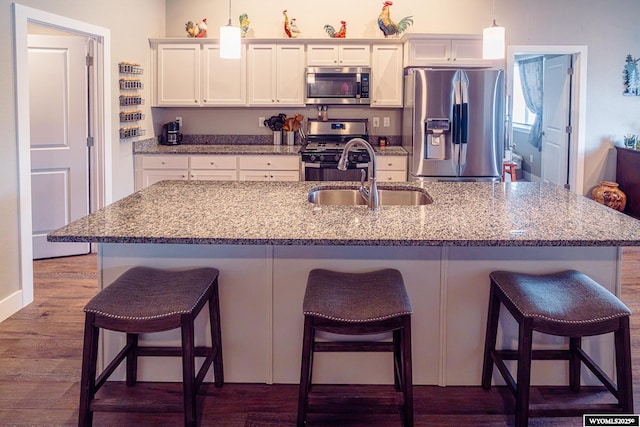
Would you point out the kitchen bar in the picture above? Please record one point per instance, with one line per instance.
(265, 238)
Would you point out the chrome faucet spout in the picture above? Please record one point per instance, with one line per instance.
(370, 194)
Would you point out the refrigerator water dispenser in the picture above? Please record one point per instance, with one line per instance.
(436, 130)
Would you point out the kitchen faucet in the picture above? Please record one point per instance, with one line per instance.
(371, 194)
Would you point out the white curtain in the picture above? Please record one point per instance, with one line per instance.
(531, 78)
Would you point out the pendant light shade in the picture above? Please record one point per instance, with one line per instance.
(230, 40)
(493, 39)
(493, 42)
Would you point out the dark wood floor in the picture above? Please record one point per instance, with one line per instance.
(41, 346)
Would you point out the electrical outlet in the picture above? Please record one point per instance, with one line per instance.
(179, 120)
(530, 158)
(260, 122)
(376, 122)
(386, 122)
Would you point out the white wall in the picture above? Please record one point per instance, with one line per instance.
(610, 29)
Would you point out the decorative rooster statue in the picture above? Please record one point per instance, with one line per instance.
(340, 34)
(388, 27)
(244, 24)
(295, 31)
(287, 25)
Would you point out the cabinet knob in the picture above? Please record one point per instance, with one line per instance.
(163, 162)
(195, 100)
(454, 59)
(268, 163)
(212, 163)
(390, 164)
(389, 179)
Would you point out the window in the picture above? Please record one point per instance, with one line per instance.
(522, 116)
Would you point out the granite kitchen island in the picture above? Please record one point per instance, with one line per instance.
(265, 238)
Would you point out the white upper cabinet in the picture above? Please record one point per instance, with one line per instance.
(434, 51)
(192, 74)
(276, 74)
(178, 75)
(224, 81)
(386, 76)
(346, 55)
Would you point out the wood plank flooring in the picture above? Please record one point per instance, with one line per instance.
(41, 347)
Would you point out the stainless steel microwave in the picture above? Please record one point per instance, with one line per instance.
(338, 85)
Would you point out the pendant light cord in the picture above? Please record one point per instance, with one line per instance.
(230, 11)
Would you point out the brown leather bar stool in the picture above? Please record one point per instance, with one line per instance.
(567, 304)
(357, 304)
(510, 168)
(147, 300)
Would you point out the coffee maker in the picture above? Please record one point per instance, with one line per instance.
(170, 134)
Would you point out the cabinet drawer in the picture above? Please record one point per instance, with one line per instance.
(392, 176)
(213, 162)
(165, 162)
(269, 162)
(398, 163)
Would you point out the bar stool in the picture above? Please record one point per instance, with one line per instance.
(510, 168)
(567, 304)
(357, 304)
(147, 300)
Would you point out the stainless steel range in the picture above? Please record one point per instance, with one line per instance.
(325, 143)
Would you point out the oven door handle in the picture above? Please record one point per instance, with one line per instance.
(311, 165)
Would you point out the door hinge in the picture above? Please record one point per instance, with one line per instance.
(89, 61)
(89, 141)
(569, 129)
(570, 71)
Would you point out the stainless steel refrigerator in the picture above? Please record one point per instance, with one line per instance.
(453, 124)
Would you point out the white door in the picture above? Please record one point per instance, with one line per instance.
(59, 153)
(555, 120)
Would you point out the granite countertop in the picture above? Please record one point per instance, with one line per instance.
(278, 213)
(150, 146)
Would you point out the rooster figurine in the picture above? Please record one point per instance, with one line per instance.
(387, 26)
(287, 24)
(295, 31)
(340, 34)
(244, 24)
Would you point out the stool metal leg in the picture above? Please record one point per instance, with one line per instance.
(623, 366)
(407, 373)
(490, 337)
(397, 359)
(216, 335)
(89, 362)
(305, 371)
(132, 360)
(575, 343)
(525, 340)
(188, 371)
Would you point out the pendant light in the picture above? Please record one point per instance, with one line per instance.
(230, 40)
(493, 39)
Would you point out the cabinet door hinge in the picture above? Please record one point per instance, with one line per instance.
(569, 129)
(89, 141)
(89, 60)
(570, 71)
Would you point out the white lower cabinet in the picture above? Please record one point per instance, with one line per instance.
(213, 168)
(150, 169)
(269, 168)
(391, 168)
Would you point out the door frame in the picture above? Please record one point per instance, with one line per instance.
(578, 102)
(23, 16)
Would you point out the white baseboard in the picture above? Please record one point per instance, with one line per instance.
(10, 305)
(530, 177)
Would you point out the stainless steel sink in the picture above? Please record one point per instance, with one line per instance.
(352, 197)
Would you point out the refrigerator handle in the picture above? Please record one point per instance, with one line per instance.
(464, 117)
